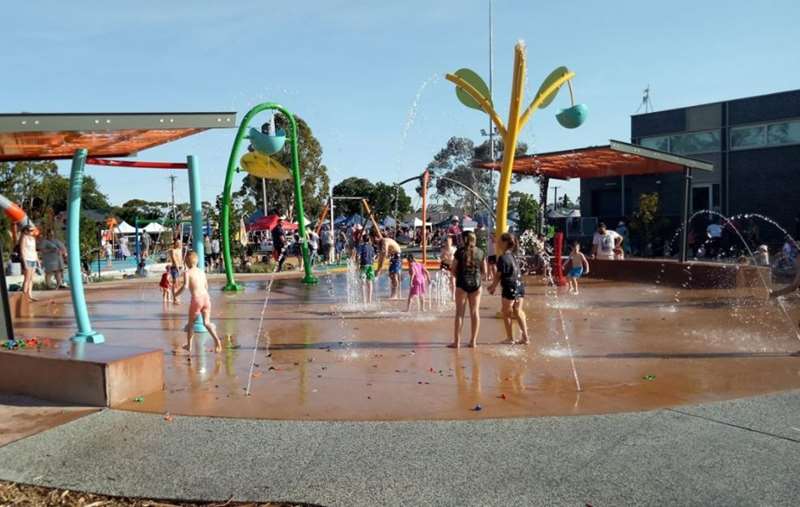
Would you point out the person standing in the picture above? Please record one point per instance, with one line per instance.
(622, 230)
(326, 245)
(390, 249)
(215, 252)
(207, 251)
(278, 245)
(468, 269)
(53, 253)
(30, 261)
(454, 231)
(509, 277)
(605, 244)
(176, 268)
(146, 240)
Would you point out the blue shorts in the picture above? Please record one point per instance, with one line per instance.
(575, 272)
(174, 273)
(31, 264)
(395, 266)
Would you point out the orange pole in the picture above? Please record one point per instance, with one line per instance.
(372, 218)
(321, 219)
(425, 177)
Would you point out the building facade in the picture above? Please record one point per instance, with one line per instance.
(754, 144)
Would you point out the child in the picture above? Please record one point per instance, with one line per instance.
(200, 303)
(578, 266)
(509, 276)
(166, 285)
(366, 257)
(419, 282)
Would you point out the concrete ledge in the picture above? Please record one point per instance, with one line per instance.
(84, 374)
(690, 275)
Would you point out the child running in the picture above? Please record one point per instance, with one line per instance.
(166, 285)
(509, 276)
(366, 257)
(200, 303)
(419, 282)
(578, 266)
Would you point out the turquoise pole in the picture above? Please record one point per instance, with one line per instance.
(85, 332)
(197, 224)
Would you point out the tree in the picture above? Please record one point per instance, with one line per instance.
(456, 161)
(646, 221)
(382, 198)
(528, 209)
(566, 202)
(313, 173)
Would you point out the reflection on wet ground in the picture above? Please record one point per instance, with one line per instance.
(634, 346)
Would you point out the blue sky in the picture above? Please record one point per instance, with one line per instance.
(354, 69)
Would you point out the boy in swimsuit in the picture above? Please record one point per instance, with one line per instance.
(200, 304)
(391, 249)
(176, 267)
(366, 256)
(578, 266)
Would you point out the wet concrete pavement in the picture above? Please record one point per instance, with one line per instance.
(634, 347)
(21, 416)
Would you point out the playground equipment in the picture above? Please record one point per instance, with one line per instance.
(260, 164)
(364, 205)
(16, 214)
(79, 161)
(473, 92)
(429, 177)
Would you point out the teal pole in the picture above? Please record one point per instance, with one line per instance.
(85, 332)
(197, 224)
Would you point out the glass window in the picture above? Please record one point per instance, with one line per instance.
(656, 143)
(784, 133)
(695, 142)
(747, 137)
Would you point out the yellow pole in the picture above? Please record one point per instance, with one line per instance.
(510, 141)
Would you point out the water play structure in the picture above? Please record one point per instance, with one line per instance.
(15, 213)
(260, 164)
(473, 92)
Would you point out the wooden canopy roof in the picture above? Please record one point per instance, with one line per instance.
(615, 159)
(56, 136)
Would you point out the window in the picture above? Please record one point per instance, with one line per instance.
(656, 143)
(748, 137)
(695, 142)
(784, 133)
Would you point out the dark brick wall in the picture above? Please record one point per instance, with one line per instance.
(775, 106)
(662, 122)
(766, 181)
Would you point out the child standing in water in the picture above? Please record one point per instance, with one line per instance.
(509, 277)
(366, 257)
(166, 285)
(578, 266)
(195, 279)
(419, 282)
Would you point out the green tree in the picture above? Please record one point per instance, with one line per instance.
(382, 198)
(646, 220)
(314, 174)
(527, 208)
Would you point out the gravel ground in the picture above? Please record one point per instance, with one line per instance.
(35, 496)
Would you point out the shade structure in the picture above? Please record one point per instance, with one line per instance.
(268, 223)
(29, 136)
(615, 159)
(154, 228)
(124, 228)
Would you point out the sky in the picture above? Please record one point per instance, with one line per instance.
(368, 75)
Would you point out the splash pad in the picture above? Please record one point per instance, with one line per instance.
(635, 346)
